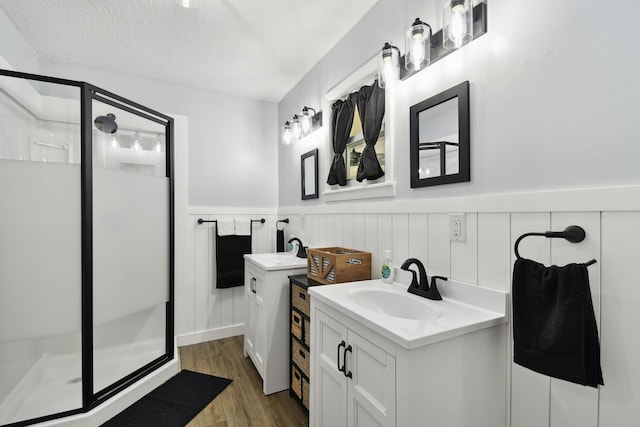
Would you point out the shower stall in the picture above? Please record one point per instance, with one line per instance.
(86, 247)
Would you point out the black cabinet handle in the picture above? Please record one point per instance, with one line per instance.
(341, 369)
(347, 374)
(303, 296)
(302, 354)
(253, 285)
(296, 319)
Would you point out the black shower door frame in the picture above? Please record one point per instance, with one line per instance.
(88, 93)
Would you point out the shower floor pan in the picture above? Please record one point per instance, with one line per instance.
(54, 383)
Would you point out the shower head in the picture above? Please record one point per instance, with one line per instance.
(106, 124)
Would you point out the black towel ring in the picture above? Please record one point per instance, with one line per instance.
(573, 234)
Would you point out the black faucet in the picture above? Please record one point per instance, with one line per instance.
(422, 287)
(302, 250)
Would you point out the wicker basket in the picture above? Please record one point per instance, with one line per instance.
(338, 265)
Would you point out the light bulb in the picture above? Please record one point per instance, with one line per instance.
(458, 29)
(158, 146)
(136, 142)
(114, 142)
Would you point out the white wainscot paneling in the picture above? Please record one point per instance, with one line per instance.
(439, 247)
(464, 255)
(213, 313)
(494, 250)
(417, 239)
(620, 302)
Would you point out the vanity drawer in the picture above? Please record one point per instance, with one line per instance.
(300, 357)
(300, 299)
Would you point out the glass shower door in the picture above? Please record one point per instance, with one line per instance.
(40, 249)
(131, 242)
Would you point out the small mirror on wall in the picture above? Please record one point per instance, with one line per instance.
(439, 138)
(309, 174)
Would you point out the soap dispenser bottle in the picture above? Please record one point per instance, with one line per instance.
(386, 270)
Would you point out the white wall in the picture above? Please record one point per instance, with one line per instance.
(552, 104)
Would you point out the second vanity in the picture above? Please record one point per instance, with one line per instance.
(384, 357)
(266, 337)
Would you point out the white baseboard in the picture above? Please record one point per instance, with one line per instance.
(210, 335)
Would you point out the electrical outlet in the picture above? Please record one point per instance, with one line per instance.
(457, 227)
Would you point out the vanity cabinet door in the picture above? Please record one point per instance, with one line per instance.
(329, 407)
(254, 337)
(354, 380)
(372, 386)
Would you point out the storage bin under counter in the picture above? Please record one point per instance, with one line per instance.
(300, 336)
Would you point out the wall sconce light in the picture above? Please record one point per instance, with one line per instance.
(306, 119)
(296, 128)
(462, 23)
(158, 147)
(417, 42)
(287, 137)
(388, 64)
(301, 125)
(457, 24)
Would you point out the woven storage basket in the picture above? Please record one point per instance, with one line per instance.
(338, 265)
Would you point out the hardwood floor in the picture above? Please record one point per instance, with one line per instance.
(241, 404)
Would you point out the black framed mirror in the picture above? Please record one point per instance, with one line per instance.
(309, 174)
(439, 138)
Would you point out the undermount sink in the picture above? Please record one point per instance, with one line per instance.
(277, 260)
(406, 306)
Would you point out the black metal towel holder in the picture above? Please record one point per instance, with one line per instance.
(286, 221)
(202, 221)
(573, 234)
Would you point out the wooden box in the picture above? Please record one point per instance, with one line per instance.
(338, 265)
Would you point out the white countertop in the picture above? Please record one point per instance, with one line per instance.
(464, 308)
(277, 261)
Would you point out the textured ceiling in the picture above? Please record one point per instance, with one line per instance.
(254, 48)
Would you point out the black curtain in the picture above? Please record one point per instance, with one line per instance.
(371, 110)
(341, 122)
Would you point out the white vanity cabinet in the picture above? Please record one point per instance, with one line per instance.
(354, 380)
(371, 370)
(266, 337)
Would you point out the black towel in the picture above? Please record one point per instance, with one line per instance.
(554, 326)
(230, 252)
(279, 240)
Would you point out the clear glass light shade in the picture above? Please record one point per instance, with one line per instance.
(306, 120)
(417, 46)
(388, 65)
(287, 136)
(296, 128)
(457, 23)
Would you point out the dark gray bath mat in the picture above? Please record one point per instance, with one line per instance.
(174, 403)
